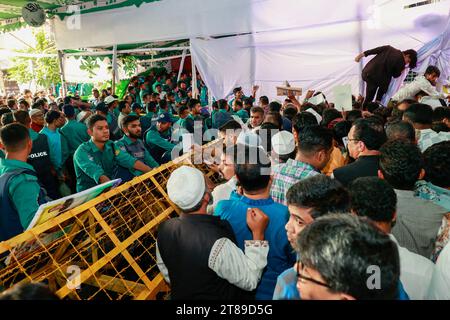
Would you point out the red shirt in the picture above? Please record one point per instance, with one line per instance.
(36, 127)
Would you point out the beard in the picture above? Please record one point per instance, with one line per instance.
(134, 136)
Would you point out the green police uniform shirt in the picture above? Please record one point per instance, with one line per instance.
(23, 190)
(154, 137)
(2, 154)
(148, 159)
(75, 134)
(91, 163)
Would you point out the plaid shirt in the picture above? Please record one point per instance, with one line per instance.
(286, 175)
(429, 137)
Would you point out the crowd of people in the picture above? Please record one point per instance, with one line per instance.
(316, 203)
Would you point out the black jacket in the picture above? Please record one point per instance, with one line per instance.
(388, 63)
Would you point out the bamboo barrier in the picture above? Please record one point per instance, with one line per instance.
(104, 248)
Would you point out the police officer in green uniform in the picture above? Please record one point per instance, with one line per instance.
(75, 132)
(133, 145)
(158, 139)
(97, 160)
(20, 192)
(194, 116)
(39, 157)
(238, 109)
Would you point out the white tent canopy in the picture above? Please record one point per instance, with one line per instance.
(311, 44)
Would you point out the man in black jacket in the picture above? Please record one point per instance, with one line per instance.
(388, 63)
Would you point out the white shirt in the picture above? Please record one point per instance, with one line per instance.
(415, 272)
(420, 83)
(440, 282)
(222, 192)
(230, 263)
(428, 137)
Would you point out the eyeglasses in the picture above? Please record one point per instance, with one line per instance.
(303, 278)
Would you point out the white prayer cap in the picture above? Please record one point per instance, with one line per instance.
(249, 138)
(33, 112)
(283, 142)
(186, 187)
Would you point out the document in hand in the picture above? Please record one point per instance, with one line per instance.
(342, 97)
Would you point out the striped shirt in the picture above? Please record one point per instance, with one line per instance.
(286, 175)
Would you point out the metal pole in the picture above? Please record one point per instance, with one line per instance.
(194, 77)
(114, 66)
(61, 73)
(180, 69)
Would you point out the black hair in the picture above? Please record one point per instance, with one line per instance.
(441, 113)
(122, 105)
(274, 106)
(223, 104)
(22, 117)
(51, 116)
(257, 109)
(302, 120)
(313, 139)
(182, 109)
(437, 170)
(372, 106)
(6, 118)
(25, 103)
(341, 130)
(433, 69)
(29, 291)
(192, 103)
(239, 103)
(439, 127)
(248, 102)
(128, 119)
(371, 132)
(353, 115)
(163, 104)
(92, 120)
(322, 194)
(230, 125)
(373, 198)
(342, 248)
(151, 106)
(401, 163)
(329, 115)
(264, 100)
(4, 111)
(401, 130)
(11, 103)
(419, 113)
(290, 112)
(275, 118)
(14, 137)
(413, 56)
(252, 168)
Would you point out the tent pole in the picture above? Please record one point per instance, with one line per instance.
(180, 69)
(114, 71)
(62, 73)
(194, 76)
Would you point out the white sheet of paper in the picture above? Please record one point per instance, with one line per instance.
(343, 97)
(188, 141)
(317, 99)
(314, 112)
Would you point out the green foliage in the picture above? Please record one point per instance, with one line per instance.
(90, 65)
(46, 70)
(129, 65)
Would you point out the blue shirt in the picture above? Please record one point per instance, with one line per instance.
(286, 288)
(281, 255)
(54, 143)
